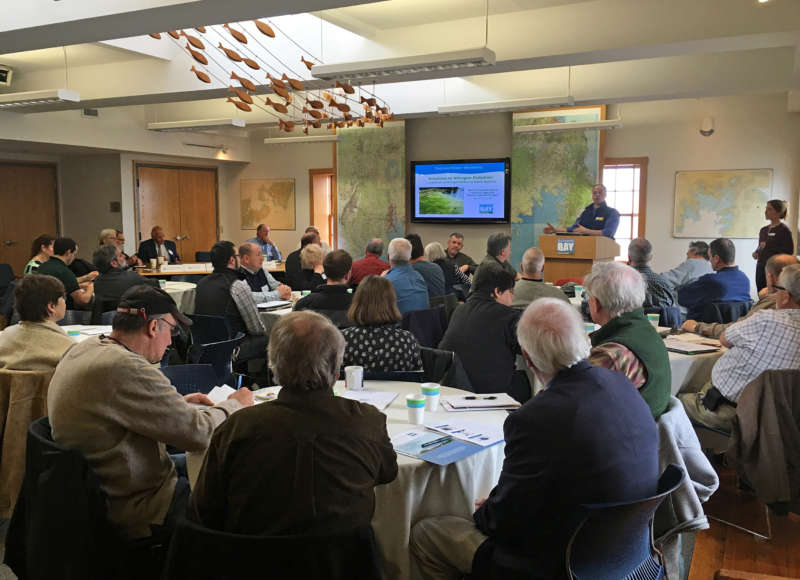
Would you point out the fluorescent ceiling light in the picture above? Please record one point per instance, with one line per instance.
(196, 125)
(503, 106)
(550, 127)
(303, 139)
(405, 65)
(11, 101)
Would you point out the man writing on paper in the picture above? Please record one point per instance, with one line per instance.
(597, 219)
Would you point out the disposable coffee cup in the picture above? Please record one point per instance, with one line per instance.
(295, 295)
(653, 318)
(588, 327)
(162, 260)
(416, 408)
(578, 291)
(431, 392)
(305, 292)
(153, 263)
(354, 378)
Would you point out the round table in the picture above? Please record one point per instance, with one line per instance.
(183, 294)
(421, 489)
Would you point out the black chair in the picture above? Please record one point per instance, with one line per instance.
(76, 317)
(725, 312)
(444, 367)
(103, 306)
(200, 378)
(219, 355)
(207, 328)
(202, 256)
(427, 325)
(407, 376)
(449, 301)
(7, 302)
(614, 541)
(59, 528)
(198, 553)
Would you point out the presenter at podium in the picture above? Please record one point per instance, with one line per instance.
(596, 219)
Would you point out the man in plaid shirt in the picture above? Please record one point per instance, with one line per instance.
(768, 340)
(659, 292)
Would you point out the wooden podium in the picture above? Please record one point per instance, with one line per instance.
(570, 256)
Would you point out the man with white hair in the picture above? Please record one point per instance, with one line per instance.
(768, 340)
(626, 341)
(531, 284)
(587, 438)
(409, 285)
(317, 456)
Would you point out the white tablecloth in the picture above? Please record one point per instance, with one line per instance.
(270, 317)
(85, 330)
(421, 489)
(183, 294)
(691, 371)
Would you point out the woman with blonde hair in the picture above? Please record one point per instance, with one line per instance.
(311, 275)
(775, 238)
(452, 274)
(375, 342)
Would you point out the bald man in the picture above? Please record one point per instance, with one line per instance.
(157, 246)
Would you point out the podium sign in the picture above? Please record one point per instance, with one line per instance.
(565, 245)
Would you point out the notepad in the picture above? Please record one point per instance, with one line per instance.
(430, 446)
(221, 393)
(378, 399)
(477, 432)
(479, 402)
(274, 304)
(686, 347)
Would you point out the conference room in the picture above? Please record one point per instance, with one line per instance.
(180, 126)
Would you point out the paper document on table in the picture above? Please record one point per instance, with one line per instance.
(481, 402)
(433, 447)
(95, 330)
(219, 394)
(273, 304)
(266, 394)
(478, 432)
(687, 347)
(378, 399)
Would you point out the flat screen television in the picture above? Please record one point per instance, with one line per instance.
(475, 191)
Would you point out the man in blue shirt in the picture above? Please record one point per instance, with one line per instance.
(596, 219)
(409, 285)
(727, 284)
(268, 248)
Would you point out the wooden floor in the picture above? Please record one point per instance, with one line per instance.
(722, 546)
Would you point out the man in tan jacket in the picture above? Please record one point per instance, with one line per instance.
(108, 400)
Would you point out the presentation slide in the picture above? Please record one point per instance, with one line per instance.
(462, 190)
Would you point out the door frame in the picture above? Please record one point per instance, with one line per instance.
(166, 165)
(334, 200)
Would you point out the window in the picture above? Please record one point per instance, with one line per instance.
(626, 187)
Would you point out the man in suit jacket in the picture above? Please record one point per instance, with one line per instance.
(157, 246)
(587, 438)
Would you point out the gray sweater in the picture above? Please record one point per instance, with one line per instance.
(687, 272)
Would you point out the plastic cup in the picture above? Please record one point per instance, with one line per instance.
(305, 292)
(653, 318)
(354, 378)
(295, 295)
(162, 283)
(416, 408)
(588, 327)
(153, 263)
(578, 291)
(431, 392)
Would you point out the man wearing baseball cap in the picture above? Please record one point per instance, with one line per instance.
(109, 400)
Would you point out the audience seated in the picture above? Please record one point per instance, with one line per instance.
(768, 340)
(158, 247)
(294, 269)
(80, 291)
(482, 332)
(333, 298)
(306, 463)
(114, 279)
(375, 342)
(315, 230)
(312, 273)
(626, 341)
(130, 260)
(456, 257)
(531, 285)
(659, 292)
(41, 250)
(107, 236)
(727, 284)
(773, 269)
(266, 245)
(37, 342)
(370, 264)
(108, 400)
(498, 251)
(587, 438)
(431, 273)
(695, 265)
(409, 285)
(434, 253)
(264, 287)
(222, 293)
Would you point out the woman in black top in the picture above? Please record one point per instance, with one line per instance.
(773, 239)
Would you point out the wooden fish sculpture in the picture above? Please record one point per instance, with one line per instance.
(236, 34)
(230, 53)
(200, 29)
(199, 57)
(287, 126)
(276, 82)
(239, 105)
(308, 63)
(174, 34)
(347, 88)
(156, 35)
(277, 106)
(265, 28)
(282, 92)
(370, 102)
(193, 40)
(314, 113)
(244, 82)
(295, 84)
(241, 94)
(343, 107)
(315, 104)
(201, 75)
(251, 63)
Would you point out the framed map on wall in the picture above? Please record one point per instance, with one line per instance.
(721, 203)
(267, 201)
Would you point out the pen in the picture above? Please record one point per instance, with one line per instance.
(445, 439)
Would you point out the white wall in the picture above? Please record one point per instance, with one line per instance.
(750, 132)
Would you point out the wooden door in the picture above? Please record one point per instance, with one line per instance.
(28, 198)
(159, 201)
(198, 203)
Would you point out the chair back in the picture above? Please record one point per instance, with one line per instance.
(6, 277)
(669, 316)
(202, 256)
(444, 367)
(218, 354)
(427, 325)
(614, 541)
(7, 301)
(76, 317)
(407, 376)
(102, 307)
(725, 312)
(190, 378)
(198, 553)
(208, 328)
(449, 301)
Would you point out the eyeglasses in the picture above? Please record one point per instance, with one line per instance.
(778, 287)
(174, 330)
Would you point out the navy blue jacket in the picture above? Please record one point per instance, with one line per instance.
(148, 251)
(602, 218)
(588, 438)
(726, 285)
